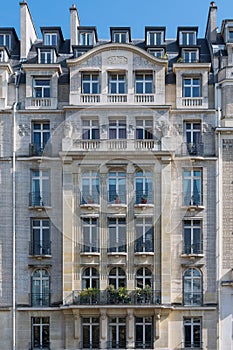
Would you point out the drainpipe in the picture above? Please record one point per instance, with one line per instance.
(17, 78)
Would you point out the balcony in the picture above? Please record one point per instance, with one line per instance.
(192, 149)
(144, 98)
(116, 145)
(144, 199)
(112, 296)
(40, 249)
(121, 344)
(192, 345)
(117, 98)
(42, 346)
(95, 345)
(117, 198)
(193, 249)
(192, 102)
(89, 98)
(39, 199)
(35, 150)
(40, 103)
(40, 299)
(112, 99)
(144, 345)
(193, 201)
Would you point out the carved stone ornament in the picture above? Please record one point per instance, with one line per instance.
(117, 60)
(24, 130)
(67, 129)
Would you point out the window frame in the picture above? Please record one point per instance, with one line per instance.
(6, 40)
(145, 128)
(158, 53)
(90, 280)
(188, 90)
(40, 88)
(117, 128)
(147, 329)
(117, 279)
(90, 235)
(117, 80)
(192, 228)
(49, 56)
(155, 38)
(41, 283)
(89, 343)
(117, 186)
(120, 37)
(41, 135)
(86, 38)
(143, 278)
(117, 234)
(42, 323)
(192, 322)
(189, 40)
(143, 242)
(144, 83)
(40, 178)
(193, 192)
(193, 55)
(192, 292)
(90, 182)
(42, 245)
(90, 131)
(91, 82)
(50, 39)
(119, 324)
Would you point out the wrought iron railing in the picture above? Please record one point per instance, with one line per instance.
(89, 198)
(39, 199)
(194, 248)
(142, 197)
(39, 248)
(36, 150)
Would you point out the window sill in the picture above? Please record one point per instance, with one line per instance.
(193, 207)
(90, 206)
(39, 208)
(89, 254)
(144, 206)
(144, 254)
(117, 254)
(117, 205)
(191, 256)
(40, 257)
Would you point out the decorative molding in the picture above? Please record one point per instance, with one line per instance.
(117, 60)
(24, 130)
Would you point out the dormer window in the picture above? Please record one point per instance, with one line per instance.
(154, 38)
(190, 56)
(86, 38)
(120, 37)
(50, 39)
(5, 40)
(188, 38)
(46, 56)
(230, 35)
(159, 53)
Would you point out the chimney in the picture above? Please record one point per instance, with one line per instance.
(74, 24)
(28, 33)
(211, 28)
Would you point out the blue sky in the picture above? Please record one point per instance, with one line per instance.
(106, 13)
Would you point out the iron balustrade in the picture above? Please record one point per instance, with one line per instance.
(117, 198)
(35, 149)
(39, 199)
(144, 198)
(39, 248)
(92, 296)
(194, 248)
(89, 198)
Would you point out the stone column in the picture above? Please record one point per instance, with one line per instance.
(130, 336)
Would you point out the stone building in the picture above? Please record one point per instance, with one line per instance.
(116, 162)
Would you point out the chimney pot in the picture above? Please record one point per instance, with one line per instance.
(73, 6)
(212, 3)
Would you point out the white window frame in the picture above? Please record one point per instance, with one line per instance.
(117, 80)
(90, 187)
(192, 194)
(230, 35)
(40, 287)
(144, 279)
(90, 323)
(192, 284)
(6, 40)
(92, 81)
(86, 38)
(144, 225)
(144, 181)
(192, 236)
(158, 38)
(49, 56)
(193, 322)
(91, 128)
(159, 53)
(90, 234)
(143, 323)
(50, 39)
(190, 86)
(120, 37)
(92, 279)
(117, 179)
(115, 325)
(118, 278)
(117, 227)
(190, 56)
(40, 90)
(41, 245)
(189, 36)
(43, 133)
(145, 80)
(41, 180)
(145, 127)
(44, 326)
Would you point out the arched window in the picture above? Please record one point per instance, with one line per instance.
(40, 288)
(90, 278)
(117, 277)
(192, 287)
(143, 277)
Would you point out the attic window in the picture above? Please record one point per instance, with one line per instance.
(190, 55)
(50, 39)
(5, 40)
(46, 56)
(86, 38)
(154, 38)
(120, 37)
(230, 35)
(188, 38)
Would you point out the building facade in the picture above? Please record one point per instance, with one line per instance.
(116, 178)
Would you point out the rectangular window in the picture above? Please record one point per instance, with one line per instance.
(191, 87)
(230, 35)
(193, 187)
(40, 137)
(117, 332)
(193, 138)
(90, 188)
(117, 83)
(190, 56)
(50, 39)
(157, 53)
(41, 88)
(40, 188)
(188, 38)
(117, 187)
(120, 37)
(117, 129)
(41, 244)
(144, 83)
(90, 333)
(86, 38)
(192, 237)
(144, 235)
(46, 56)
(117, 235)
(144, 187)
(144, 332)
(40, 333)
(90, 235)
(192, 333)
(90, 129)
(90, 83)
(154, 38)
(144, 129)
(5, 40)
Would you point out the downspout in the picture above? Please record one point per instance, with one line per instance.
(17, 78)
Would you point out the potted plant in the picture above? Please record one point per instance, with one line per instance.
(147, 293)
(143, 200)
(117, 199)
(89, 295)
(90, 200)
(122, 295)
